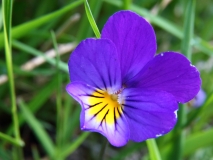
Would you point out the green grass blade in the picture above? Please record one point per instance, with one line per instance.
(71, 148)
(126, 4)
(5, 155)
(59, 110)
(186, 50)
(7, 17)
(84, 31)
(37, 101)
(71, 119)
(38, 129)
(28, 49)
(91, 19)
(11, 140)
(206, 112)
(153, 149)
(35, 153)
(188, 29)
(191, 144)
(198, 140)
(1, 19)
(23, 29)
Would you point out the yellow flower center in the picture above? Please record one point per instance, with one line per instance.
(105, 107)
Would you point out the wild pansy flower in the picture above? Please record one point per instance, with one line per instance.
(127, 93)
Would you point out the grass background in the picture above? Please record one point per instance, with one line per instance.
(36, 39)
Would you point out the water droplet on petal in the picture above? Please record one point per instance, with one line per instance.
(158, 135)
(161, 54)
(175, 113)
(192, 65)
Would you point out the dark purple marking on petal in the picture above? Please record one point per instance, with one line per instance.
(117, 133)
(150, 114)
(104, 118)
(134, 39)
(171, 72)
(90, 106)
(95, 62)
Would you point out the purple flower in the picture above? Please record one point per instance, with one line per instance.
(199, 99)
(125, 92)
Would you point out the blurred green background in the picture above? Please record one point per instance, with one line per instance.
(49, 117)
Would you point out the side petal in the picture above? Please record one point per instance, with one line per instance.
(95, 62)
(149, 113)
(98, 114)
(134, 39)
(171, 72)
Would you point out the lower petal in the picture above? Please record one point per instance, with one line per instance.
(149, 113)
(99, 113)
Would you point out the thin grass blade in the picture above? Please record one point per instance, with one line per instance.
(38, 129)
(153, 149)
(23, 29)
(91, 19)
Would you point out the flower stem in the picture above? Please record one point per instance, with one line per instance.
(153, 149)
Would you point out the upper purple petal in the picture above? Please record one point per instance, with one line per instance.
(171, 72)
(95, 62)
(149, 113)
(134, 39)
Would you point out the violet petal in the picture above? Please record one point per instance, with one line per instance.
(95, 62)
(149, 113)
(171, 72)
(134, 39)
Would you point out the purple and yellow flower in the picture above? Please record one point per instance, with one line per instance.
(127, 93)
